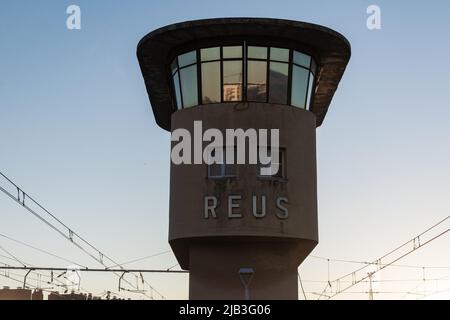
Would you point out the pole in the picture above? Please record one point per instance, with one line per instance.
(247, 293)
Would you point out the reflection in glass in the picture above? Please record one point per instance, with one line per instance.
(232, 80)
(222, 76)
(310, 88)
(211, 82)
(209, 54)
(257, 52)
(279, 54)
(187, 58)
(232, 52)
(256, 81)
(176, 85)
(188, 78)
(302, 59)
(278, 82)
(299, 86)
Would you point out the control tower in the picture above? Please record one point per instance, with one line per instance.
(242, 235)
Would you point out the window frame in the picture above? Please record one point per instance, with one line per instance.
(223, 166)
(283, 163)
(244, 59)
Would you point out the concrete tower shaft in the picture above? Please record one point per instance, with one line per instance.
(242, 234)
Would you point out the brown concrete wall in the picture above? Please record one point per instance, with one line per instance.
(214, 273)
(273, 246)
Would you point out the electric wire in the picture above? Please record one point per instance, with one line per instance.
(40, 250)
(416, 245)
(71, 235)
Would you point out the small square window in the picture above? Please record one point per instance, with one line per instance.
(280, 162)
(222, 170)
(215, 170)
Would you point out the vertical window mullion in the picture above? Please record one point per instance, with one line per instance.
(199, 79)
(244, 71)
(290, 70)
(311, 99)
(267, 74)
(307, 90)
(179, 82)
(221, 75)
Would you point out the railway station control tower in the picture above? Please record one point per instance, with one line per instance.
(242, 235)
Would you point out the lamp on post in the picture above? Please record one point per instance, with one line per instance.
(246, 275)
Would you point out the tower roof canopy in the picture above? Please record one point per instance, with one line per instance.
(155, 51)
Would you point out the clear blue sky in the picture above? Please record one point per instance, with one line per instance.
(77, 131)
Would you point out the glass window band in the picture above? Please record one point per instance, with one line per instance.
(221, 74)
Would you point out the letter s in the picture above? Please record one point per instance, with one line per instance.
(284, 211)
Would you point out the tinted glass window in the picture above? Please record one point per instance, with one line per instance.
(299, 86)
(279, 54)
(232, 52)
(302, 59)
(211, 82)
(215, 170)
(257, 52)
(256, 83)
(222, 170)
(310, 89)
(209, 54)
(223, 71)
(189, 90)
(187, 59)
(278, 81)
(232, 80)
(176, 85)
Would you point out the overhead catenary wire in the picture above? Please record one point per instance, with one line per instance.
(36, 268)
(367, 263)
(417, 243)
(378, 263)
(141, 259)
(68, 233)
(27, 266)
(170, 268)
(34, 287)
(13, 256)
(301, 285)
(28, 285)
(447, 278)
(435, 293)
(40, 250)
